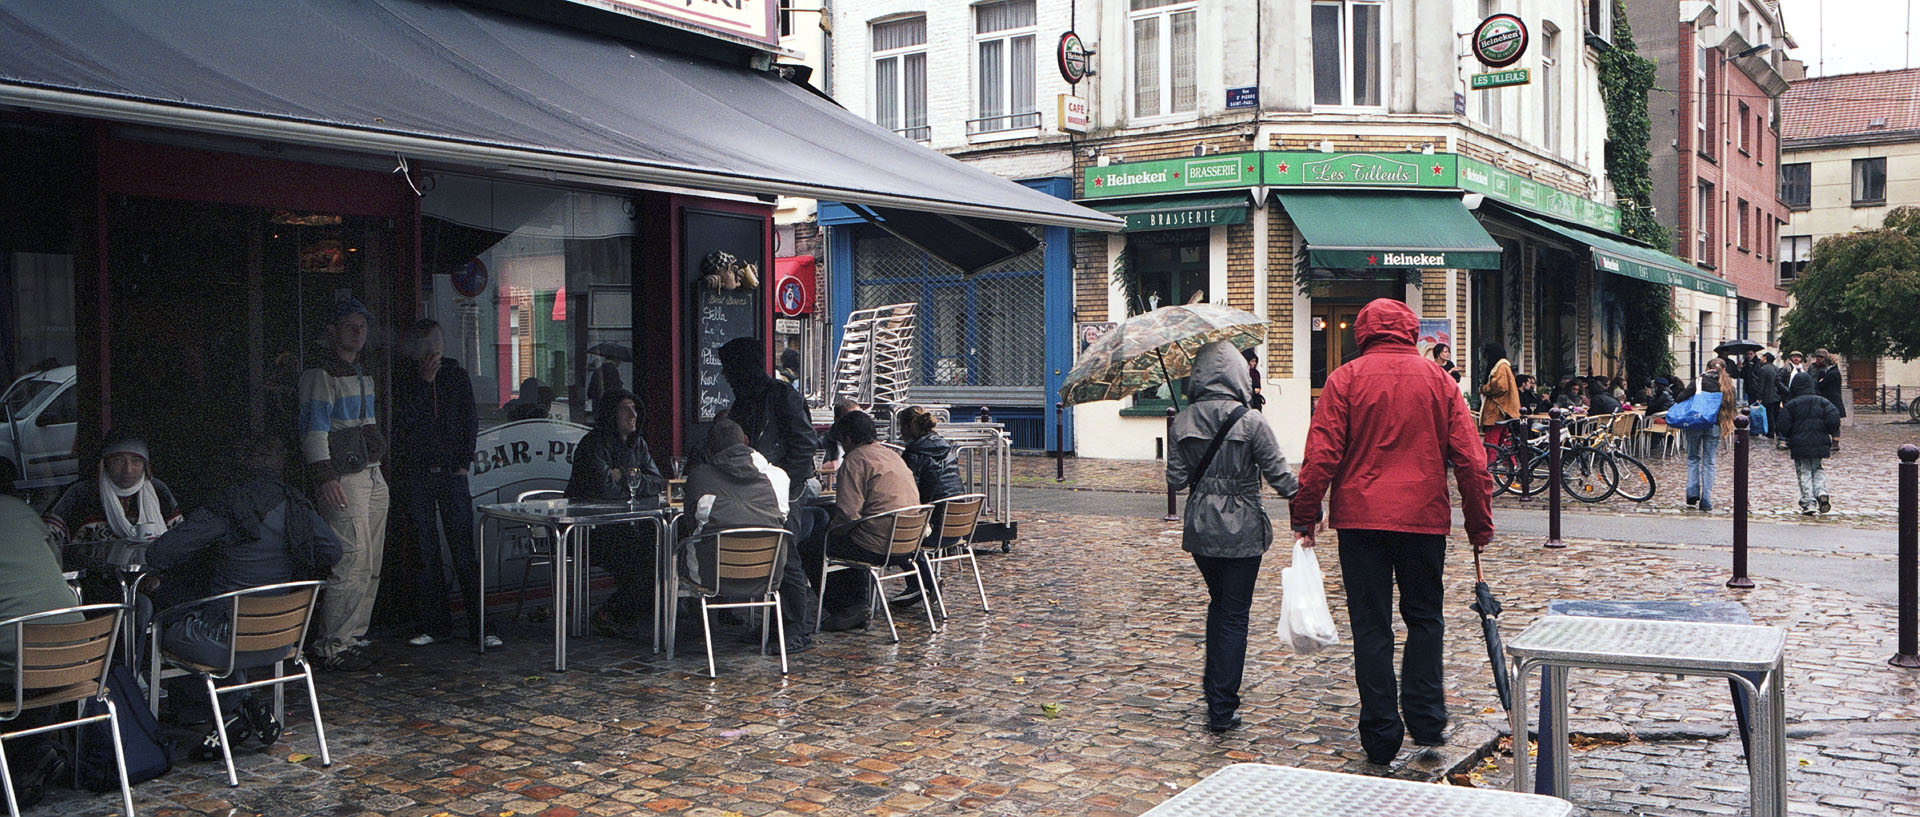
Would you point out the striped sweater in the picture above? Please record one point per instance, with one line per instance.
(336, 396)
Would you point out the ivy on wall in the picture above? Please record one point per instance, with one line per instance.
(1625, 79)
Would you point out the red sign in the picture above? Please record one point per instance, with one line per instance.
(793, 280)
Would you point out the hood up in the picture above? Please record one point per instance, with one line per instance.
(1802, 384)
(1385, 320)
(736, 462)
(1220, 372)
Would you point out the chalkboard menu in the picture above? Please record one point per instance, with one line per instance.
(722, 315)
(717, 315)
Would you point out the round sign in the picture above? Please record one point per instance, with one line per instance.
(471, 278)
(1500, 40)
(1073, 58)
(793, 297)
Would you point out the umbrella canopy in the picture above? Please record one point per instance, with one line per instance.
(1156, 347)
(1489, 609)
(1741, 346)
(613, 351)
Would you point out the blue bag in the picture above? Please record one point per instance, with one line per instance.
(148, 756)
(1757, 419)
(1699, 411)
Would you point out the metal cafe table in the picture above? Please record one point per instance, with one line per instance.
(571, 523)
(1260, 790)
(1731, 651)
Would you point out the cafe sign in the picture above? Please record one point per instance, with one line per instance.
(1479, 177)
(1500, 40)
(1404, 170)
(753, 20)
(1184, 217)
(1499, 79)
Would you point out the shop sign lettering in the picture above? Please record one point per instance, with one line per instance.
(748, 19)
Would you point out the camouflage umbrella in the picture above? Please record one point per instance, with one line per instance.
(1156, 347)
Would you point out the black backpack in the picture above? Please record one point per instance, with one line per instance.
(147, 755)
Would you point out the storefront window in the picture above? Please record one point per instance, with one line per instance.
(532, 287)
(976, 334)
(1168, 267)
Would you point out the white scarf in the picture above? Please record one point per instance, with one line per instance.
(110, 496)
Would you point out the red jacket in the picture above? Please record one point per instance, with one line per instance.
(1385, 428)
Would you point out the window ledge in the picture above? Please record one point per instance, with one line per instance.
(1879, 203)
(1004, 135)
(1707, 156)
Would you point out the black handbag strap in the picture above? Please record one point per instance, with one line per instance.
(1213, 448)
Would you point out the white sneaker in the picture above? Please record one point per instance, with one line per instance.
(420, 640)
(492, 641)
(362, 642)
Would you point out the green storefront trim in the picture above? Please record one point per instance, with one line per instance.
(1635, 261)
(1179, 212)
(1365, 229)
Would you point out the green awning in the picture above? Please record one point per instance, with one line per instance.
(1634, 261)
(1178, 212)
(1366, 229)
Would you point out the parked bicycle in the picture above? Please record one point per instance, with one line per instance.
(1592, 465)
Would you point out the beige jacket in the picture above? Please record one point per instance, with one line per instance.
(873, 479)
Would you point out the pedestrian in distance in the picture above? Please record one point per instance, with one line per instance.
(1809, 424)
(342, 444)
(1500, 396)
(1386, 427)
(1794, 363)
(1768, 393)
(1442, 356)
(1826, 380)
(1223, 450)
(1703, 442)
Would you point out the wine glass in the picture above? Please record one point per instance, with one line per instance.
(633, 488)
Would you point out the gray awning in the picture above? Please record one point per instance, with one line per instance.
(447, 81)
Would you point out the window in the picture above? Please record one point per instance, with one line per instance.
(1349, 53)
(1794, 252)
(1490, 98)
(900, 77)
(1599, 19)
(1164, 54)
(1702, 108)
(1003, 35)
(1741, 127)
(1549, 92)
(1796, 185)
(1703, 224)
(1740, 210)
(1869, 181)
(786, 18)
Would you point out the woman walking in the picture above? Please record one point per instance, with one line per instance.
(1223, 450)
(1703, 442)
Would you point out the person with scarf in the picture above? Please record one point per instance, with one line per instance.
(123, 500)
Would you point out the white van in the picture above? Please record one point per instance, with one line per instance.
(38, 415)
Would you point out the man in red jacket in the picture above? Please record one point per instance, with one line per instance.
(1385, 429)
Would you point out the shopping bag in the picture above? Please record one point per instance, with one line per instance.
(1306, 624)
(1757, 419)
(1699, 411)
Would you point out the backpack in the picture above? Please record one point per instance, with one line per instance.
(147, 755)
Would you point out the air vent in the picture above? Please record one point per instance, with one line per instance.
(1877, 122)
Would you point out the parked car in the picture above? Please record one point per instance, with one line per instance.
(39, 412)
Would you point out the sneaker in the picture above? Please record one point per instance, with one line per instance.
(1231, 723)
(907, 599)
(1806, 511)
(799, 644)
(1692, 500)
(1705, 505)
(1825, 505)
(492, 642)
(420, 640)
(851, 620)
(259, 718)
(47, 765)
(363, 642)
(351, 659)
(208, 748)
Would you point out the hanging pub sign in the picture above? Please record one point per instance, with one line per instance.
(1072, 114)
(1073, 56)
(1500, 40)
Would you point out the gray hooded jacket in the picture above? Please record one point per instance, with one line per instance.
(1224, 516)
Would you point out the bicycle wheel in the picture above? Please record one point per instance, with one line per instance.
(1537, 477)
(1636, 480)
(1588, 476)
(1501, 463)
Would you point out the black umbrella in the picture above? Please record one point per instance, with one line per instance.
(1489, 609)
(612, 350)
(1736, 347)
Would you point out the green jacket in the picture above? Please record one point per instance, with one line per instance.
(30, 580)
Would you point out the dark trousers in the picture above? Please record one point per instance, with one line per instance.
(1773, 420)
(626, 551)
(1371, 563)
(1230, 596)
(796, 589)
(437, 502)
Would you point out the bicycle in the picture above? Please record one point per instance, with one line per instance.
(1506, 463)
(1592, 468)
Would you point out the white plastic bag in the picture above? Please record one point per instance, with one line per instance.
(1306, 624)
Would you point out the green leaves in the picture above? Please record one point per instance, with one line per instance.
(1625, 79)
(1860, 292)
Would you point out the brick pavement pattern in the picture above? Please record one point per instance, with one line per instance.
(1078, 695)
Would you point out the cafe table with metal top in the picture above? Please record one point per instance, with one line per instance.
(1261, 790)
(572, 523)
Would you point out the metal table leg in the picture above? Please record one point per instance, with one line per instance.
(480, 559)
(1557, 733)
(1518, 715)
(562, 595)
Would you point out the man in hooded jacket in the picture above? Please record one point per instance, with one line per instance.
(1227, 529)
(608, 461)
(1808, 424)
(1386, 426)
(737, 488)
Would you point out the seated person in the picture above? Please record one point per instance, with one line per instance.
(872, 480)
(1600, 397)
(30, 582)
(534, 403)
(609, 459)
(935, 464)
(735, 487)
(1661, 397)
(257, 531)
(141, 506)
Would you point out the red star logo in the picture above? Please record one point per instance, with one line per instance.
(1250, 168)
(1176, 174)
(1096, 182)
(1436, 170)
(1372, 259)
(1283, 167)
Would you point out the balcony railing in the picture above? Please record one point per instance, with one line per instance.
(995, 124)
(920, 133)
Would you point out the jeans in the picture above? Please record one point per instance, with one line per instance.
(1372, 562)
(201, 637)
(1230, 596)
(346, 606)
(443, 497)
(1813, 481)
(796, 589)
(1702, 445)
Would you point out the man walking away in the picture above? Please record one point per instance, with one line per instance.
(1760, 383)
(1227, 529)
(1808, 424)
(1387, 426)
(342, 444)
(1771, 395)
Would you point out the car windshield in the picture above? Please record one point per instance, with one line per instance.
(22, 393)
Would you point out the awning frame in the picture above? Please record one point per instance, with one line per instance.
(1635, 261)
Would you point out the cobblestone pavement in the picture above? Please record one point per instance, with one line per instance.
(1077, 695)
(1860, 478)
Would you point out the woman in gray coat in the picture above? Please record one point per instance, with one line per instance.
(1227, 529)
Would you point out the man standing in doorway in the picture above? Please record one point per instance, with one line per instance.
(774, 418)
(342, 444)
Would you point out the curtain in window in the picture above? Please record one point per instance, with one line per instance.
(1022, 66)
(915, 70)
(992, 79)
(1182, 56)
(1366, 54)
(886, 93)
(1326, 54)
(904, 33)
(991, 17)
(1146, 67)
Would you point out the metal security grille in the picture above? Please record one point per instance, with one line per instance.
(985, 331)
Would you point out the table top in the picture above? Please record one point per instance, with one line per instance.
(1258, 789)
(576, 512)
(1676, 644)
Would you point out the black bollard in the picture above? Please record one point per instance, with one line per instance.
(1059, 442)
(1909, 655)
(1173, 512)
(1559, 416)
(1740, 440)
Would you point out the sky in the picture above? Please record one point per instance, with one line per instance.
(1857, 35)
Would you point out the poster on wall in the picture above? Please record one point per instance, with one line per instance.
(1435, 331)
(1089, 332)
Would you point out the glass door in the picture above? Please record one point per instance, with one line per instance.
(1331, 339)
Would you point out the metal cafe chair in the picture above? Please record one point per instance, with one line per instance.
(265, 624)
(62, 662)
(905, 529)
(735, 564)
(954, 521)
(539, 549)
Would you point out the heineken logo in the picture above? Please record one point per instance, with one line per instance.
(1411, 259)
(1607, 262)
(1500, 40)
(1142, 177)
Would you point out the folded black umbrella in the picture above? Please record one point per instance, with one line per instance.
(1489, 609)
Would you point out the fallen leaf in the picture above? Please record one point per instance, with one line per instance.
(1051, 711)
(1805, 762)
(1020, 679)
(298, 757)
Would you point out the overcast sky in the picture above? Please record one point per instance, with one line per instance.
(1858, 35)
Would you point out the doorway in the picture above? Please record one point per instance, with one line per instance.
(1333, 343)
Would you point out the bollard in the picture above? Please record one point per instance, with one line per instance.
(1059, 442)
(1173, 512)
(1909, 655)
(1740, 443)
(1559, 416)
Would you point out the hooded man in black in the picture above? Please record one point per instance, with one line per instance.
(610, 460)
(737, 488)
(773, 415)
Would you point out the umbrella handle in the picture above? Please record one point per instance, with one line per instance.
(1478, 576)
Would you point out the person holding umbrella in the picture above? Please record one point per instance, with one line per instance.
(1386, 427)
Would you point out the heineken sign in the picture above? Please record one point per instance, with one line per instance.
(1352, 258)
(1479, 177)
(1359, 169)
(1500, 40)
(1496, 79)
(1173, 175)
